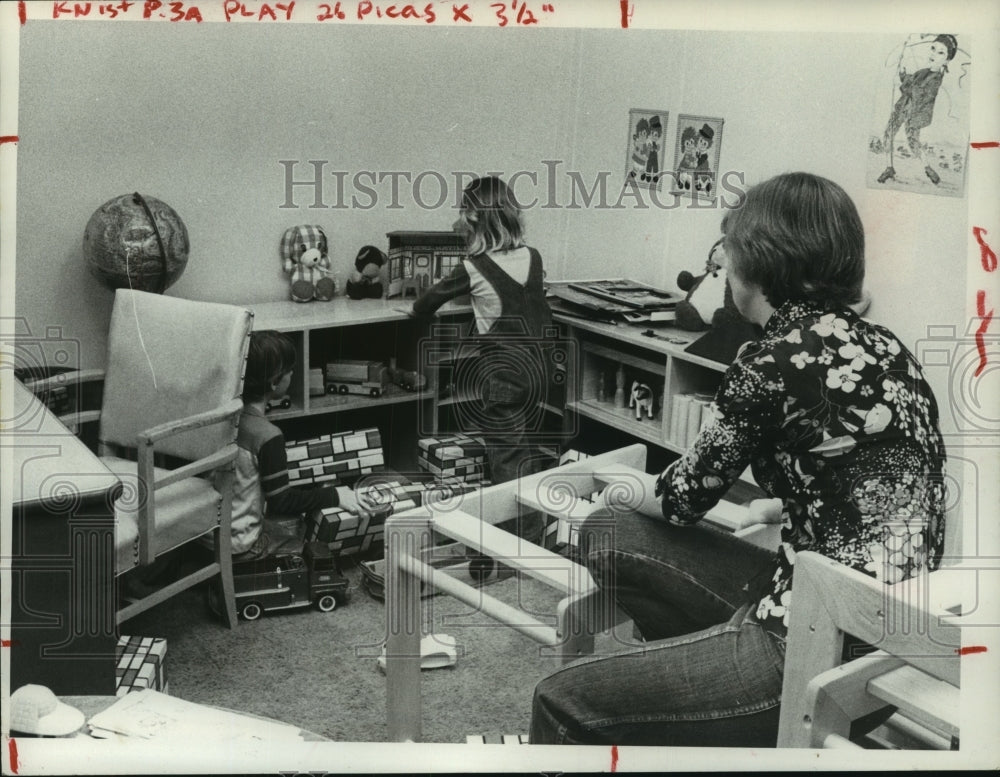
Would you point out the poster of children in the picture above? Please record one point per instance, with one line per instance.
(645, 148)
(919, 135)
(696, 158)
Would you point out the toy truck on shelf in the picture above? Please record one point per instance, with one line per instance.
(356, 376)
(411, 380)
(288, 580)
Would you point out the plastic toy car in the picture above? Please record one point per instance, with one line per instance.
(284, 403)
(289, 580)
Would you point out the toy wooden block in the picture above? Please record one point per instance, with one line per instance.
(317, 384)
(334, 458)
(347, 533)
(140, 664)
(496, 739)
(457, 456)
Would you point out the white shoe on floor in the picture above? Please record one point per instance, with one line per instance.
(436, 651)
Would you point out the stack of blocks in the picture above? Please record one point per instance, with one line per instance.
(346, 533)
(140, 663)
(454, 457)
(334, 459)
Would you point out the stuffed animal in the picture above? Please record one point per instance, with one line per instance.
(366, 280)
(707, 294)
(305, 259)
(709, 306)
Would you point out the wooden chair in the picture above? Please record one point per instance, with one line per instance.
(916, 666)
(584, 611)
(171, 392)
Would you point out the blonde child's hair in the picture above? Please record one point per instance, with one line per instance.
(492, 216)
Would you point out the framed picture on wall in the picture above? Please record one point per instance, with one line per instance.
(645, 161)
(696, 156)
(918, 138)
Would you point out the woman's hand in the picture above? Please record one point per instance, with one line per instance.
(766, 510)
(633, 494)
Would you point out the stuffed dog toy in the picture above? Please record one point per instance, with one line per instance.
(305, 259)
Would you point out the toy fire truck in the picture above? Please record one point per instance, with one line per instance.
(288, 580)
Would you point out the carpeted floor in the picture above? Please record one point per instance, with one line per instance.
(318, 670)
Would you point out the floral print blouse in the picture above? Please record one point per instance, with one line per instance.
(834, 417)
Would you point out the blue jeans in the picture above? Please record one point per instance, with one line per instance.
(708, 673)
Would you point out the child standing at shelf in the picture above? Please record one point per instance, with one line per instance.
(261, 486)
(512, 324)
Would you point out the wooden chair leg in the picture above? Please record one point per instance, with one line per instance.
(839, 696)
(224, 551)
(583, 615)
(405, 538)
(224, 558)
(580, 618)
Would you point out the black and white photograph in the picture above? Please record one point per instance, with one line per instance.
(358, 414)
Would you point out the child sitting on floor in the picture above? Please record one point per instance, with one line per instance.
(261, 485)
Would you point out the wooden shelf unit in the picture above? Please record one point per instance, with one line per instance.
(322, 332)
(370, 329)
(660, 361)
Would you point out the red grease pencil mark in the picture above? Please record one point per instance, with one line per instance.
(623, 4)
(22, 12)
(987, 255)
(7, 643)
(981, 331)
(8, 139)
(12, 750)
(987, 144)
(966, 651)
(614, 758)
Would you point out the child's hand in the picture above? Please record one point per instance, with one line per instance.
(407, 311)
(371, 500)
(348, 500)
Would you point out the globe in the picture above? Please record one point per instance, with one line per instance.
(135, 241)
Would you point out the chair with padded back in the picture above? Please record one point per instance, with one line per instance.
(167, 427)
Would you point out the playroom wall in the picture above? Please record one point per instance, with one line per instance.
(200, 115)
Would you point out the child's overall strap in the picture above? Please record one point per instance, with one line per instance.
(523, 308)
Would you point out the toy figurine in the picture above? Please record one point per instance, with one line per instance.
(305, 259)
(641, 398)
(620, 387)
